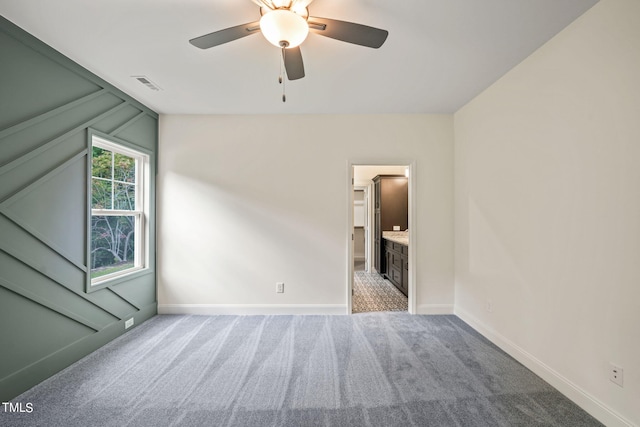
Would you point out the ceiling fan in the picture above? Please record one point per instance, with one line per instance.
(286, 24)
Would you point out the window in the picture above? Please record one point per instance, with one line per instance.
(118, 210)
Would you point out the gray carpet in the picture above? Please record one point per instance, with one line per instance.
(378, 369)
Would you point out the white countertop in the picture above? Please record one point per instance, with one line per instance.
(401, 237)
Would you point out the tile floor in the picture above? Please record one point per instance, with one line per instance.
(371, 292)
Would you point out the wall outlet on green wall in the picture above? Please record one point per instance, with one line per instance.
(128, 323)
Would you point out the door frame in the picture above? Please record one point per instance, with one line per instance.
(413, 253)
(367, 188)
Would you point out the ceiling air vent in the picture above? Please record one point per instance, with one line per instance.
(148, 83)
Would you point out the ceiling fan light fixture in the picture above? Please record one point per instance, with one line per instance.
(300, 9)
(284, 28)
(277, 4)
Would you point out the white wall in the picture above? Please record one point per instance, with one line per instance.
(547, 204)
(247, 201)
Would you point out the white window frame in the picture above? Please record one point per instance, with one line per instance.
(141, 212)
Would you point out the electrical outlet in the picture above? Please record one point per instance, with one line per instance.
(615, 374)
(489, 306)
(128, 323)
(280, 287)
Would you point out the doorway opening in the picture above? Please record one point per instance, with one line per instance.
(380, 251)
(361, 249)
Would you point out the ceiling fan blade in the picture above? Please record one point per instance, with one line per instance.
(226, 35)
(293, 63)
(259, 3)
(349, 32)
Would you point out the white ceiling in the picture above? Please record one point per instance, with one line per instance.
(438, 56)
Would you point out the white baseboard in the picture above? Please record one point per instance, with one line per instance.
(251, 309)
(434, 309)
(586, 401)
(266, 309)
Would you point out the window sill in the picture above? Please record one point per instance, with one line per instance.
(116, 280)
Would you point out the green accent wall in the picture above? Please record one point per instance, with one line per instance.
(49, 105)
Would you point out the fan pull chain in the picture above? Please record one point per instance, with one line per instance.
(280, 76)
(283, 81)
